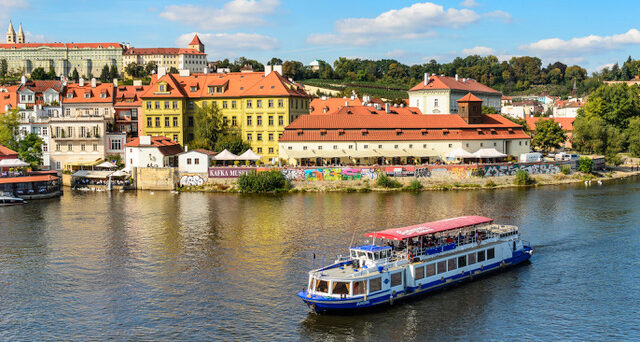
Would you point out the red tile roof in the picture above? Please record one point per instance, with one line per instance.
(331, 104)
(10, 97)
(7, 153)
(469, 98)
(207, 152)
(569, 104)
(196, 41)
(102, 93)
(38, 86)
(129, 96)
(162, 51)
(445, 82)
(565, 123)
(63, 45)
(165, 145)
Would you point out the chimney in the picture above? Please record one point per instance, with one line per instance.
(267, 69)
(456, 77)
(205, 70)
(93, 82)
(115, 82)
(145, 140)
(278, 68)
(81, 82)
(161, 72)
(353, 97)
(324, 97)
(184, 72)
(346, 103)
(426, 78)
(137, 83)
(23, 79)
(387, 107)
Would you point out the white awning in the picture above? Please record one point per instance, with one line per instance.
(13, 163)
(249, 155)
(460, 153)
(107, 165)
(225, 155)
(489, 153)
(368, 153)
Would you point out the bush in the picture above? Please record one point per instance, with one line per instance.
(385, 181)
(415, 185)
(523, 178)
(263, 182)
(585, 165)
(566, 169)
(614, 160)
(490, 184)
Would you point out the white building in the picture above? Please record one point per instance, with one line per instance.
(438, 94)
(148, 151)
(195, 161)
(567, 109)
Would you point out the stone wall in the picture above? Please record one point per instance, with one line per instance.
(156, 178)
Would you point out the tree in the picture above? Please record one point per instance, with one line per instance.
(585, 165)
(274, 61)
(51, 75)
(149, 68)
(116, 158)
(9, 123)
(519, 121)
(548, 135)
(30, 150)
(489, 110)
(105, 75)
(75, 76)
(38, 74)
(209, 127)
(233, 143)
(4, 68)
(133, 70)
(591, 134)
(173, 70)
(633, 134)
(113, 72)
(293, 69)
(616, 104)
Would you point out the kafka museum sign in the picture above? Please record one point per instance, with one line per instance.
(228, 172)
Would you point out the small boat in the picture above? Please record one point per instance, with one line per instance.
(10, 200)
(405, 262)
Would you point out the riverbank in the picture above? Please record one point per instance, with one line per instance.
(450, 182)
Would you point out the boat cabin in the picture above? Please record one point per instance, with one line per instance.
(370, 255)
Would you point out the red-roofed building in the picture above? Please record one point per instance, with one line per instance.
(438, 94)
(148, 151)
(7, 153)
(365, 135)
(192, 58)
(564, 123)
(127, 106)
(567, 109)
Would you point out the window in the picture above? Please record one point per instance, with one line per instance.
(480, 256)
(335, 147)
(365, 146)
(166, 122)
(157, 105)
(162, 88)
(379, 146)
(471, 258)
(419, 272)
(495, 144)
(190, 119)
(259, 149)
(359, 287)
(340, 287)
(304, 148)
(270, 103)
(149, 122)
(196, 161)
(249, 136)
(259, 103)
(188, 161)
(351, 147)
(166, 104)
(259, 136)
(319, 147)
(45, 148)
(442, 266)
(431, 270)
(116, 144)
(491, 253)
(224, 104)
(233, 104)
(280, 103)
(322, 286)
(435, 102)
(396, 279)
(520, 143)
(175, 104)
(450, 145)
(453, 264)
(82, 147)
(67, 111)
(375, 284)
(249, 120)
(270, 120)
(190, 105)
(280, 120)
(70, 147)
(259, 120)
(481, 144)
(270, 136)
(234, 121)
(57, 147)
(289, 147)
(462, 261)
(249, 104)
(270, 150)
(175, 137)
(158, 122)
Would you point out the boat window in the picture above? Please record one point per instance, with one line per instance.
(453, 264)
(396, 279)
(462, 261)
(362, 254)
(353, 254)
(442, 266)
(431, 270)
(471, 258)
(388, 253)
(420, 272)
(359, 287)
(322, 286)
(491, 253)
(375, 284)
(370, 255)
(481, 256)
(340, 287)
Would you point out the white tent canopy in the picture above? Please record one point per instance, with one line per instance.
(225, 155)
(13, 163)
(460, 153)
(249, 155)
(489, 153)
(107, 165)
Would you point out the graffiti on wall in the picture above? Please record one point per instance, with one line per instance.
(192, 180)
(511, 169)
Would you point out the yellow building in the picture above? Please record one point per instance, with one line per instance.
(259, 104)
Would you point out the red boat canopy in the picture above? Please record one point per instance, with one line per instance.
(429, 228)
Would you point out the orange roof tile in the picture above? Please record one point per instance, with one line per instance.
(129, 96)
(469, 98)
(6, 153)
(196, 41)
(162, 51)
(331, 104)
(445, 82)
(102, 93)
(165, 145)
(63, 45)
(40, 86)
(10, 97)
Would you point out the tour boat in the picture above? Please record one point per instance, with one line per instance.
(405, 262)
(10, 200)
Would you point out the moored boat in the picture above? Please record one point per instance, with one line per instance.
(405, 262)
(10, 200)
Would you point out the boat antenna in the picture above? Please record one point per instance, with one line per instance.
(353, 236)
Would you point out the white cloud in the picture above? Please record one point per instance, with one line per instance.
(235, 13)
(35, 38)
(499, 15)
(469, 3)
(479, 50)
(416, 21)
(599, 68)
(574, 48)
(225, 44)
(397, 53)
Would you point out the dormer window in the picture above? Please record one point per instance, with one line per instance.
(212, 89)
(194, 89)
(103, 95)
(162, 88)
(70, 95)
(87, 95)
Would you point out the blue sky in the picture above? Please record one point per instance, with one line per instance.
(589, 33)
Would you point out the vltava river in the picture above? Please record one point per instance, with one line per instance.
(159, 266)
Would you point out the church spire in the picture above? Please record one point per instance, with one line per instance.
(20, 38)
(11, 34)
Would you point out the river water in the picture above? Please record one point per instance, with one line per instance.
(195, 266)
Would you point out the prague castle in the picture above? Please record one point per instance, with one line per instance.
(87, 58)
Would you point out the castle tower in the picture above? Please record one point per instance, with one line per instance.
(11, 34)
(470, 109)
(20, 38)
(196, 44)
